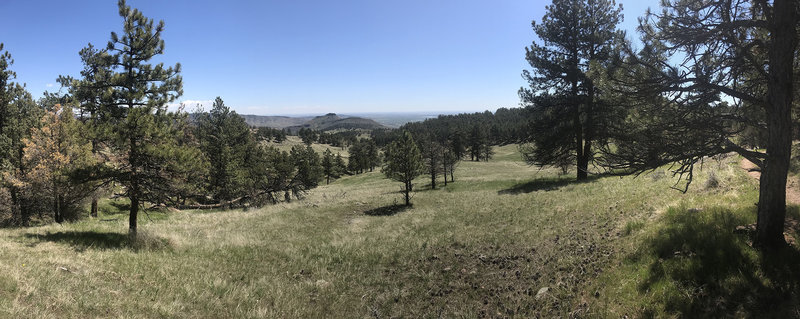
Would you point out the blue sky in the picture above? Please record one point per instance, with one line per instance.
(304, 57)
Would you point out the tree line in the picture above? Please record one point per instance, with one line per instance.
(111, 132)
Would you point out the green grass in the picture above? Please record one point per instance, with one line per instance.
(482, 246)
(319, 148)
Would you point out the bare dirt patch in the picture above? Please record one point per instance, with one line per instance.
(792, 185)
(791, 226)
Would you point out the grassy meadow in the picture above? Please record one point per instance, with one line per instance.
(504, 240)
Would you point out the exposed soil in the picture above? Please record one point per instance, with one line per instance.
(791, 226)
(792, 185)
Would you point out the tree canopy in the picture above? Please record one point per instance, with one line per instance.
(736, 72)
(567, 111)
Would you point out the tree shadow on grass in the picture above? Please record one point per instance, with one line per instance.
(82, 240)
(388, 210)
(545, 184)
(698, 266)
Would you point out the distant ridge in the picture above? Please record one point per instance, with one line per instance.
(278, 122)
(327, 122)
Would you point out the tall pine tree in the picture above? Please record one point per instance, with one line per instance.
(134, 124)
(404, 163)
(566, 109)
(226, 140)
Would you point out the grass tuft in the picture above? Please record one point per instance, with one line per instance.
(147, 241)
(632, 226)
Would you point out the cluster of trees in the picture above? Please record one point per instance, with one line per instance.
(364, 156)
(444, 141)
(308, 136)
(123, 133)
(268, 134)
(241, 171)
(112, 132)
(332, 166)
(711, 77)
(341, 139)
(504, 126)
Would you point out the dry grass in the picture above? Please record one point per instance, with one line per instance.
(483, 246)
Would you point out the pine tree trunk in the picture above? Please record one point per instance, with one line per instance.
(134, 212)
(578, 127)
(408, 190)
(57, 207)
(94, 205)
(772, 188)
(433, 178)
(133, 192)
(583, 167)
(55, 203)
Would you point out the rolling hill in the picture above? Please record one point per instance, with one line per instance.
(274, 121)
(327, 122)
(331, 121)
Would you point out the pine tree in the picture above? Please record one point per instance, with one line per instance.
(88, 93)
(225, 139)
(566, 110)
(309, 168)
(432, 155)
(52, 153)
(449, 161)
(328, 166)
(403, 163)
(18, 114)
(135, 124)
(339, 166)
(744, 52)
(478, 142)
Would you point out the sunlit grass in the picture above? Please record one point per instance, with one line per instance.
(484, 245)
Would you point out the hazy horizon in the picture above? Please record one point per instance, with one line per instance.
(294, 58)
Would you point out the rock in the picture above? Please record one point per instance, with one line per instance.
(542, 292)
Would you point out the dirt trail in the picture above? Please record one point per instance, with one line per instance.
(791, 226)
(792, 186)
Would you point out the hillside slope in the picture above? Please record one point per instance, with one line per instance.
(505, 239)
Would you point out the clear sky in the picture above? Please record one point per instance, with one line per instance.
(301, 56)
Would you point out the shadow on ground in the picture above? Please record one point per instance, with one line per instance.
(545, 184)
(698, 266)
(386, 210)
(82, 240)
